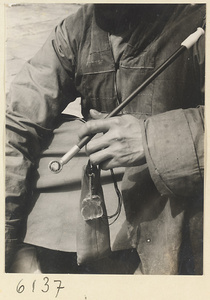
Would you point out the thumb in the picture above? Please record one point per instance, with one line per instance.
(96, 114)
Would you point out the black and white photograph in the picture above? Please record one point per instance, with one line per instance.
(104, 139)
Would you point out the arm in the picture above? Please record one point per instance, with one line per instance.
(171, 142)
(174, 142)
(174, 150)
(37, 96)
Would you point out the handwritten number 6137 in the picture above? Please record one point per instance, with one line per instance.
(21, 287)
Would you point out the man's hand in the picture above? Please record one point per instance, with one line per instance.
(119, 146)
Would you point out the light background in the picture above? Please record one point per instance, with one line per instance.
(96, 287)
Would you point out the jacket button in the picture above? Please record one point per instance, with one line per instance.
(148, 240)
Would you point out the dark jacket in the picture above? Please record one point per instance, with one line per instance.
(163, 199)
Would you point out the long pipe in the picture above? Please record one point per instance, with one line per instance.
(57, 165)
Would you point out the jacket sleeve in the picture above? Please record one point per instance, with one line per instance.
(174, 143)
(37, 96)
(174, 149)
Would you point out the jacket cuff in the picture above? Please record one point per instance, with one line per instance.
(173, 144)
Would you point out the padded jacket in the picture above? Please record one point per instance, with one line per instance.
(163, 199)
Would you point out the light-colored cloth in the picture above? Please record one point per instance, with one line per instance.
(52, 222)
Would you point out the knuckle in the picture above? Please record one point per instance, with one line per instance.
(90, 125)
(93, 160)
(81, 131)
(117, 121)
(118, 134)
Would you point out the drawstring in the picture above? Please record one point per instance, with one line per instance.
(119, 195)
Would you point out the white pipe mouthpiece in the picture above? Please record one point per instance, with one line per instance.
(57, 165)
(73, 151)
(193, 38)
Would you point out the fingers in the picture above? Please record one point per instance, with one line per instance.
(109, 164)
(101, 156)
(97, 126)
(97, 144)
(111, 156)
(103, 141)
(106, 159)
(120, 144)
(96, 114)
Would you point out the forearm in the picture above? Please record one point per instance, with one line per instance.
(37, 96)
(174, 149)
